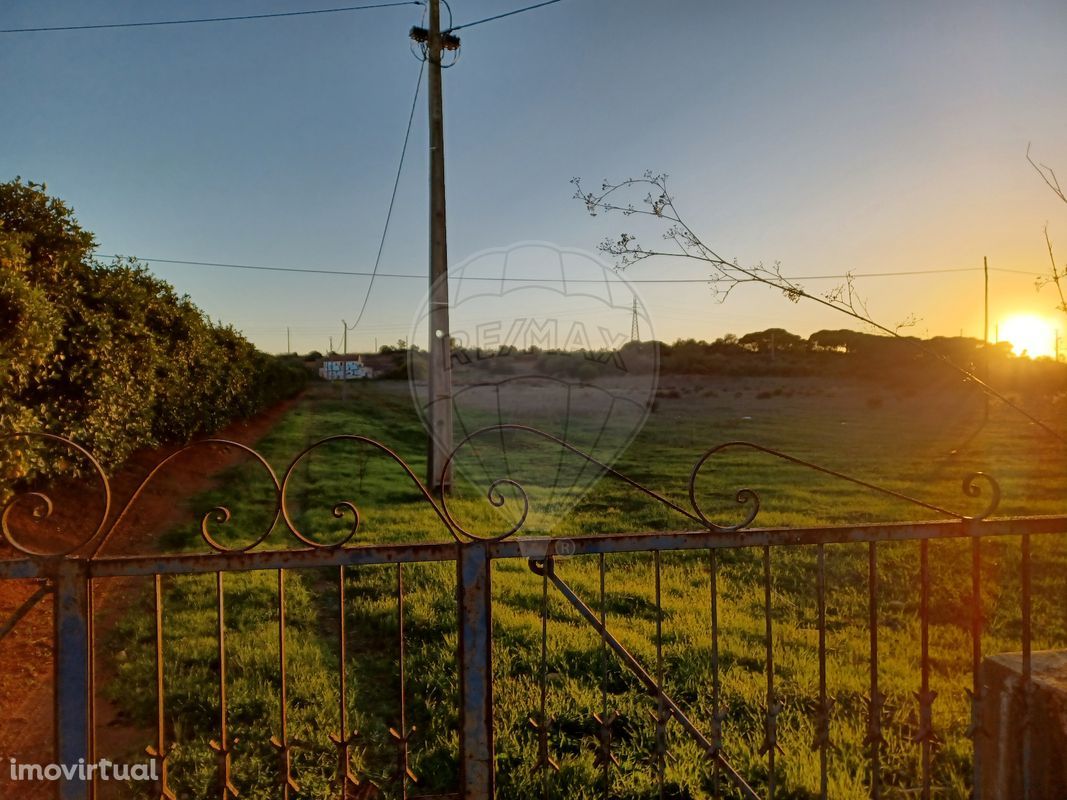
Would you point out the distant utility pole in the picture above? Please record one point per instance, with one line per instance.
(345, 337)
(635, 334)
(288, 342)
(439, 409)
(985, 335)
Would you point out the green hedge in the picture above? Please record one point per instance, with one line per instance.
(109, 355)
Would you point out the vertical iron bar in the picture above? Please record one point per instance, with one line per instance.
(401, 734)
(823, 732)
(771, 743)
(342, 661)
(223, 733)
(71, 657)
(223, 747)
(542, 720)
(926, 698)
(91, 626)
(403, 765)
(716, 724)
(161, 742)
(605, 743)
(661, 722)
(1027, 682)
(283, 706)
(874, 722)
(222, 656)
(159, 751)
(343, 739)
(976, 664)
(281, 741)
(605, 719)
(474, 588)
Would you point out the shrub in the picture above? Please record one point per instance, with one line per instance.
(109, 355)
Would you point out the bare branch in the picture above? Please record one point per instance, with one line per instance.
(1048, 175)
(728, 275)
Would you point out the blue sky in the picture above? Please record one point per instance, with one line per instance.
(829, 136)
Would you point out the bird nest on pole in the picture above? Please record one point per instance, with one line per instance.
(449, 41)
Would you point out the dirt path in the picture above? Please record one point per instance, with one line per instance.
(26, 725)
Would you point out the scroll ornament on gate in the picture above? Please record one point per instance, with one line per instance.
(31, 506)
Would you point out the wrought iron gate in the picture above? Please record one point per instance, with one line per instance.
(71, 571)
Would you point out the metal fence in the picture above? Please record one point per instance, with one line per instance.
(72, 572)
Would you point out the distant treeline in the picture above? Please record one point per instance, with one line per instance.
(109, 355)
(906, 359)
(775, 351)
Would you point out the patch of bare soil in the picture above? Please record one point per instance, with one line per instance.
(26, 712)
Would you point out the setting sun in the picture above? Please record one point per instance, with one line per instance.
(1029, 334)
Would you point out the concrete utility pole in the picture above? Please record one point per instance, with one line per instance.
(439, 409)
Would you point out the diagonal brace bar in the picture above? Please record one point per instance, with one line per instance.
(24, 609)
(547, 567)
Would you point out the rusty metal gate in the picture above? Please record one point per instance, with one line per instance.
(70, 572)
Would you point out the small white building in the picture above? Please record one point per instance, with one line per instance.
(343, 368)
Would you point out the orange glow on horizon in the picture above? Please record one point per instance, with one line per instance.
(1029, 335)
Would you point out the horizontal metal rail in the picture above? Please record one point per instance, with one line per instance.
(200, 563)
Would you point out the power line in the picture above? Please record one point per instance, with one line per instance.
(211, 19)
(392, 199)
(905, 273)
(1017, 272)
(500, 16)
(302, 270)
(512, 279)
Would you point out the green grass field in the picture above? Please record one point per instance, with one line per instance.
(921, 441)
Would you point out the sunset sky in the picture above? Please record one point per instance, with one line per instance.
(827, 136)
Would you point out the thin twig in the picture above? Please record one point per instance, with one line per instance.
(1048, 175)
(728, 275)
(1057, 276)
